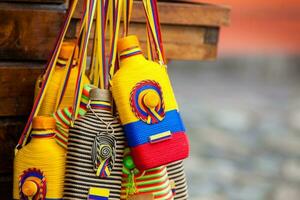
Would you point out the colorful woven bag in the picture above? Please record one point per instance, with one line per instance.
(39, 167)
(63, 117)
(150, 184)
(95, 152)
(148, 109)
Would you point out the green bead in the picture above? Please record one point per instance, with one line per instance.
(128, 162)
(136, 171)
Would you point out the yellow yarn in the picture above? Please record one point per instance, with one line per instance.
(133, 70)
(48, 106)
(44, 154)
(68, 97)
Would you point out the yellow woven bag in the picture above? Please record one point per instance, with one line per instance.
(48, 106)
(39, 167)
(148, 109)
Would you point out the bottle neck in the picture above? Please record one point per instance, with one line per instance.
(100, 105)
(37, 134)
(132, 54)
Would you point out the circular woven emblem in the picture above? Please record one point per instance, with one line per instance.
(37, 177)
(147, 102)
(104, 154)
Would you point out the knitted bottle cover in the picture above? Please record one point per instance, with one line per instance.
(39, 166)
(148, 109)
(95, 153)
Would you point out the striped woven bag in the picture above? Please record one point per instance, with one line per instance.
(178, 179)
(95, 152)
(63, 117)
(150, 184)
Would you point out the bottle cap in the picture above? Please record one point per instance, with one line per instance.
(29, 188)
(97, 94)
(128, 42)
(151, 99)
(43, 122)
(66, 50)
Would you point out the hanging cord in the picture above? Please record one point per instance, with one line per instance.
(70, 64)
(108, 125)
(47, 76)
(113, 49)
(127, 10)
(151, 12)
(82, 58)
(98, 66)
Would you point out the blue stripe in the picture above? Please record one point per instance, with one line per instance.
(93, 197)
(138, 133)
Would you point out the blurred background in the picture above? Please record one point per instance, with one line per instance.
(242, 111)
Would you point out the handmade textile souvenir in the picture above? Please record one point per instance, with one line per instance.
(63, 117)
(150, 184)
(177, 177)
(95, 151)
(148, 110)
(60, 79)
(39, 166)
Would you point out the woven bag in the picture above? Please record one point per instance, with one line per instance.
(95, 152)
(39, 166)
(150, 184)
(148, 110)
(48, 106)
(178, 179)
(63, 117)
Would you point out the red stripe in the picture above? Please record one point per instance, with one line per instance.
(62, 141)
(148, 156)
(85, 92)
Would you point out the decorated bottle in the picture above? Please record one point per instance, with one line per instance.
(57, 80)
(148, 109)
(95, 152)
(39, 166)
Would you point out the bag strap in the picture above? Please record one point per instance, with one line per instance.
(47, 76)
(98, 72)
(127, 10)
(153, 30)
(91, 7)
(116, 17)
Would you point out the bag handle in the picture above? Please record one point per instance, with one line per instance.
(153, 30)
(116, 8)
(91, 7)
(153, 34)
(127, 11)
(47, 76)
